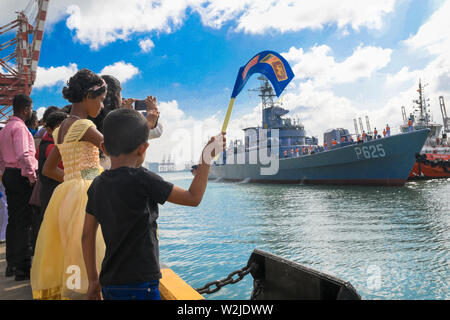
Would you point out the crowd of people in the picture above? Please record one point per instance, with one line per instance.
(298, 151)
(83, 169)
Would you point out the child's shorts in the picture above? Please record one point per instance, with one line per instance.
(142, 291)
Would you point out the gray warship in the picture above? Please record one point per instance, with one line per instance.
(279, 151)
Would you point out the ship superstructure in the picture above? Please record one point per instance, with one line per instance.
(291, 135)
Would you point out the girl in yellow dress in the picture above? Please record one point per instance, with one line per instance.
(58, 270)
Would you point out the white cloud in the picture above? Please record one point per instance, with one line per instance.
(98, 25)
(313, 98)
(434, 35)
(40, 112)
(401, 77)
(318, 75)
(260, 16)
(121, 70)
(146, 44)
(310, 97)
(47, 77)
(9, 9)
(320, 65)
(436, 75)
(319, 108)
(216, 13)
(183, 136)
(432, 40)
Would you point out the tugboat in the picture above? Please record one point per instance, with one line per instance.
(279, 151)
(433, 162)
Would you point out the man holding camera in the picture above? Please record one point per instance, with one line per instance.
(150, 108)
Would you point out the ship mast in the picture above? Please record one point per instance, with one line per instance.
(266, 93)
(421, 103)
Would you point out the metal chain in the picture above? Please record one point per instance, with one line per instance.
(241, 273)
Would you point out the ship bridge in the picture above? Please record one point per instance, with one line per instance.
(291, 132)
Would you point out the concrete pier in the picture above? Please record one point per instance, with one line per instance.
(10, 289)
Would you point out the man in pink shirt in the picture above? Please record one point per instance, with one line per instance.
(18, 166)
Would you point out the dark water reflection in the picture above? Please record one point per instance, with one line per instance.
(390, 243)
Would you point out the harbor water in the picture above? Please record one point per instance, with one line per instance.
(388, 242)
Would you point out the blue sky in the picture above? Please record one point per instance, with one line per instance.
(348, 62)
(197, 62)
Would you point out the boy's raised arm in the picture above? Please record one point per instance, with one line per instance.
(89, 255)
(194, 195)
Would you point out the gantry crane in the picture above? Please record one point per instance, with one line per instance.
(19, 55)
(445, 117)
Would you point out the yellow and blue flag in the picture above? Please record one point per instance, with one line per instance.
(269, 63)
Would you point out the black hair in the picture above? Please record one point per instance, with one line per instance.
(124, 130)
(33, 118)
(67, 108)
(112, 100)
(21, 102)
(55, 119)
(80, 86)
(48, 111)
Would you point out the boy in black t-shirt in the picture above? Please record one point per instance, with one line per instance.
(124, 201)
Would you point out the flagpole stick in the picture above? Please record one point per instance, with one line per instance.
(228, 115)
(226, 120)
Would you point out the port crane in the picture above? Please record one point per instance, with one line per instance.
(19, 53)
(445, 117)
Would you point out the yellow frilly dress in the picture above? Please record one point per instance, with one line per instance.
(58, 270)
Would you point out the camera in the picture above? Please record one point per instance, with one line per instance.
(140, 106)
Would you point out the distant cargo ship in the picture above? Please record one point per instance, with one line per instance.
(385, 161)
(167, 165)
(433, 162)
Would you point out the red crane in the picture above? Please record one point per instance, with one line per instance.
(19, 56)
